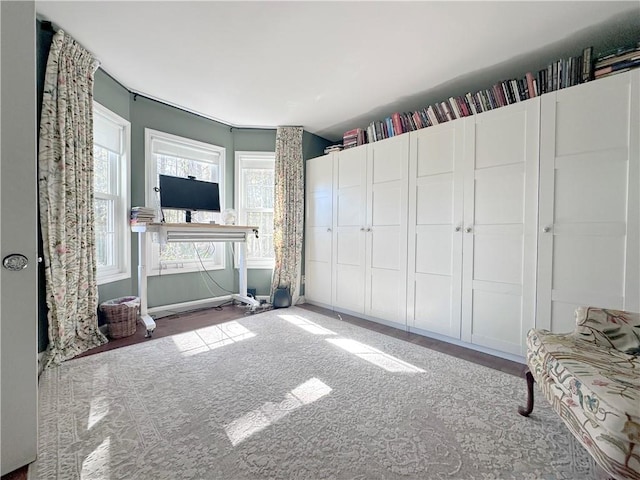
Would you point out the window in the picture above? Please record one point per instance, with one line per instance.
(172, 155)
(111, 153)
(254, 202)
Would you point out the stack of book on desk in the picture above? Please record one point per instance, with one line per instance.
(142, 215)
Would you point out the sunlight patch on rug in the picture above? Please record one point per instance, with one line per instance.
(99, 410)
(374, 356)
(269, 413)
(210, 338)
(306, 324)
(96, 465)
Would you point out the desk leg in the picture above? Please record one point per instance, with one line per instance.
(242, 278)
(146, 319)
(242, 268)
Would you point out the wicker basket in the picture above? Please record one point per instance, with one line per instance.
(121, 315)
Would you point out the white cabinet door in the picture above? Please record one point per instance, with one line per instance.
(500, 212)
(588, 226)
(349, 217)
(434, 281)
(386, 229)
(318, 229)
(19, 212)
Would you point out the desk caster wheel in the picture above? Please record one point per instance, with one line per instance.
(148, 334)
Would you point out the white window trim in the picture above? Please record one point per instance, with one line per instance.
(152, 198)
(264, 158)
(123, 238)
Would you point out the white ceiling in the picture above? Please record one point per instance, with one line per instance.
(327, 66)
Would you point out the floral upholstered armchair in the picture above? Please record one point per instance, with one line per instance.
(591, 377)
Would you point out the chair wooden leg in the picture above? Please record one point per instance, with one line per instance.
(529, 408)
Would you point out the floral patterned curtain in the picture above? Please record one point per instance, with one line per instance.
(65, 180)
(288, 211)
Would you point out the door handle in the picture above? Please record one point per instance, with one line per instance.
(15, 262)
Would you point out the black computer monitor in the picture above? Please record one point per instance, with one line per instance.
(189, 194)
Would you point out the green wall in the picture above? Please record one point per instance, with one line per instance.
(111, 94)
(146, 113)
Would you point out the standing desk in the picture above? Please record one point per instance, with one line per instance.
(192, 232)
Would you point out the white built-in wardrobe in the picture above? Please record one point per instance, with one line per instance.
(479, 229)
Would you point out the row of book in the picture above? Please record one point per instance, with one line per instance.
(563, 73)
(142, 215)
(617, 61)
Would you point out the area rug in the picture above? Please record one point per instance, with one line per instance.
(293, 394)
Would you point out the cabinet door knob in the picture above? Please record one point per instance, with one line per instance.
(546, 229)
(468, 229)
(458, 228)
(368, 229)
(362, 229)
(328, 229)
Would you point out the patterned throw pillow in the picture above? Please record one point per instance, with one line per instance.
(609, 328)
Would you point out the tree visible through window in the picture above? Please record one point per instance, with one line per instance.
(254, 200)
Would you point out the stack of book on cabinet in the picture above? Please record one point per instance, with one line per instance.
(617, 61)
(353, 138)
(332, 148)
(142, 215)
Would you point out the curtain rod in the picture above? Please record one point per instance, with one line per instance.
(197, 114)
(47, 26)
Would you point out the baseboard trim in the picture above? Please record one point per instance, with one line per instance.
(478, 348)
(425, 333)
(388, 323)
(171, 309)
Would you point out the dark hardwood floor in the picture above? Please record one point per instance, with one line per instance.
(19, 474)
(506, 366)
(174, 324)
(187, 322)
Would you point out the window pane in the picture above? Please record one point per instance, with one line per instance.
(182, 167)
(258, 188)
(111, 151)
(261, 247)
(177, 255)
(101, 170)
(114, 173)
(105, 232)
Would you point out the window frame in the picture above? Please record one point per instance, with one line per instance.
(153, 200)
(122, 269)
(260, 159)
